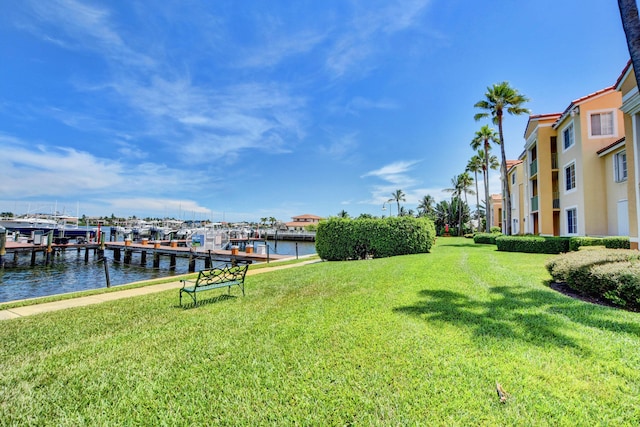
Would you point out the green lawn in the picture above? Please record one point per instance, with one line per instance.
(413, 340)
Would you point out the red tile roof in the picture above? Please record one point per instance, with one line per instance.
(610, 146)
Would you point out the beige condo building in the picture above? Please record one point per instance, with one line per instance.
(572, 177)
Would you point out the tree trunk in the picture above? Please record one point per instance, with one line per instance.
(477, 200)
(631, 25)
(505, 184)
(487, 208)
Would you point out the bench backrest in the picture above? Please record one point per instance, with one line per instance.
(222, 275)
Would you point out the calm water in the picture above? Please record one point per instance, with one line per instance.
(70, 273)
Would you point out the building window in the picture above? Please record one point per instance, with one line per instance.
(602, 124)
(620, 166)
(567, 136)
(513, 179)
(570, 177)
(572, 221)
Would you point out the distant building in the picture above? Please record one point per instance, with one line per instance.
(300, 222)
(495, 205)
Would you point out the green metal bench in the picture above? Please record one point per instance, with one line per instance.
(215, 278)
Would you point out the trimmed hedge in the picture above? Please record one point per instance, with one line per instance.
(615, 242)
(486, 238)
(533, 244)
(613, 274)
(340, 239)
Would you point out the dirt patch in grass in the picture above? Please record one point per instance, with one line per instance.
(564, 289)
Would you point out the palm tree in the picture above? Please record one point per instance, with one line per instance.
(482, 140)
(475, 165)
(631, 25)
(456, 192)
(425, 207)
(343, 214)
(498, 98)
(398, 196)
(442, 213)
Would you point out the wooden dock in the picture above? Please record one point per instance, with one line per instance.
(123, 251)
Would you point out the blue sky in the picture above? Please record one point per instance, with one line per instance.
(238, 110)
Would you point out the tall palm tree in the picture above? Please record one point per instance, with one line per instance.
(343, 214)
(425, 207)
(631, 26)
(466, 184)
(475, 165)
(498, 98)
(482, 140)
(456, 193)
(398, 196)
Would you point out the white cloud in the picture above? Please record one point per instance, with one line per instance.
(172, 207)
(341, 147)
(363, 36)
(40, 171)
(84, 27)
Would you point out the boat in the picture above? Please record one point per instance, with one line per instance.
(25, 225)
(62, 227)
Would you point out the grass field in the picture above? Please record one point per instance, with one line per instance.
(412, 340)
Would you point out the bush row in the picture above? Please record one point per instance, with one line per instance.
(613, 274)
(549, 244)
(343, 239)
(533, 244)
(486, 238)
(615, 242)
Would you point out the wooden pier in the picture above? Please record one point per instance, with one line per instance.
(123, 252)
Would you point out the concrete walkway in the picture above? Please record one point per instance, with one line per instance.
(29, 310)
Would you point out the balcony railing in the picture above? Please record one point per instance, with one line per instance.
(534, 203)
(556, 200)
(533, 168)
(554, 160)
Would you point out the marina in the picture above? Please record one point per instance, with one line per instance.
(79, 267)
(49, 254)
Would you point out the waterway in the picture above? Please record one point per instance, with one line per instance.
(70, 273)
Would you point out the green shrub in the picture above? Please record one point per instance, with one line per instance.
(617, 242)
(613, 274)
(343, 239)
(533, 244)
(486, 238)
(469, 235)
(496, 230)
(618, 282)
(576, 243)
(561, 267)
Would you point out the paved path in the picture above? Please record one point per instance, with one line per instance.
(29, 310)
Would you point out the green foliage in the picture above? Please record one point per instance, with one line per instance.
(496, 230)
(618, 282)
(486, 238)
(617, 242)
(343, 239)
(311, 227)
(533, 244)
(562, 266)
(576, 243)
(610, 273)
(614, 242)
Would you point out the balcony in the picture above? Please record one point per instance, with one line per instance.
(534, 203)
(556, 200)
(554, 160)
(533, 168)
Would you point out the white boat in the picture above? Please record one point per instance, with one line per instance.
(26, 225)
